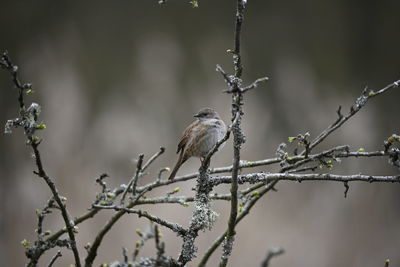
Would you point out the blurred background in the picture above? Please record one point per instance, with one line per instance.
(119, 78)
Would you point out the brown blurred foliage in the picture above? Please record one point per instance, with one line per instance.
(119, 78)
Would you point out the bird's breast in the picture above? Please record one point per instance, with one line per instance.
(206, 138)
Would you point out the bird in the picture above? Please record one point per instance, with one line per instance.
(200, 137)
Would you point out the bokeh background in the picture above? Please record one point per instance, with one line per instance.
(119, 78)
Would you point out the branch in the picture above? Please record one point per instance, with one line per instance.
(132, 183)
(360, 103)
(254, 84)
(249, 205)
(224, 75)
(244, 164)
(13, 69)
(207, 158)
(182, 200)
(238, 137)
(153, 158)
(76, 221)
(28, 120)
(237, 62)
(173, 226)
(92, 250)
(273, 252)
(55, 258)
(273, 182)
(203, 216)
(271, 177)
(160, 246)
(64, 212)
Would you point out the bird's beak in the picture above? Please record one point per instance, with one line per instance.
(196, 115)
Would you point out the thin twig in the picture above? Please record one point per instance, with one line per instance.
(173, 226)
(92, 251)
(125, 255)
(182, 200)
(249, 205)
(13, 69)
(216, 147)
(64, 212)
(102, 183)
(224, 75)
(360, 103)
(270, 177)
(153, 158)
(273, 252)
(243, 165)
(160, 172)
(54, 258)
(254, 84)
(346, 188)
(238, 137)
(78, 220)
(160, 246)
(34, 143)
(265, 162)
(132, 183)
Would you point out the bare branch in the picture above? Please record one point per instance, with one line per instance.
(203, 216)
(153, 158)
(28, 120)
(243, 164)
(13, 69)
(270, 177)
(360, 103)
(216, 147)
(238, 137)
(53, 260)
(102, 183)
(78, 220)
(92, 251)
(347, 187)
(160, 174)
(173, 226)
(237, 61)
(64, 212)
(132, 183)
(273, 252)
(254, 84)
(160, 246)
(224, 75)
(249, 205)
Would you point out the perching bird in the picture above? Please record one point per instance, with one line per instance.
(200, 137)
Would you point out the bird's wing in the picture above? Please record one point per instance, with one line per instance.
(185, 137)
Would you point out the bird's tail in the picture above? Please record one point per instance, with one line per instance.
(181, 160)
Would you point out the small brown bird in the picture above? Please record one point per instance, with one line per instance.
(200, 137)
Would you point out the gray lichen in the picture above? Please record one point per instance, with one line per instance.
(203, 216)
